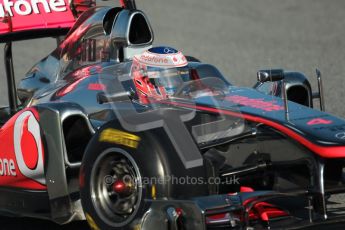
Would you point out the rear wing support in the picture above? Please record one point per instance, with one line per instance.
(11, 83)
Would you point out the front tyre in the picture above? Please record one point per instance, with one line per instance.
(115, 177)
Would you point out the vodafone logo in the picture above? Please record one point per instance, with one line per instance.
(150, 58)
(27, 139)
(257, 103)
(27, 7)
(7, 167)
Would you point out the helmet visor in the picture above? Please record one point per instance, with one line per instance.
(171, 78)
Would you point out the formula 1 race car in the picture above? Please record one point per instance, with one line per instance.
(130, 136)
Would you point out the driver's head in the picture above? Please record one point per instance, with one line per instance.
(158, 72)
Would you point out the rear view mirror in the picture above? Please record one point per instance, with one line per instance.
(116, 97)
(270, 75)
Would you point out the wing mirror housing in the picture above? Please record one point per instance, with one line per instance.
(103, 98)
(270, 75)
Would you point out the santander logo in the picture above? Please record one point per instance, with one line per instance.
(27, 7)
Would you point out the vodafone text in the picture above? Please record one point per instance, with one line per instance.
(27, 7)
(7, 167)
(148, 58)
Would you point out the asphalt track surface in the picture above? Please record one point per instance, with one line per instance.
(239, 37)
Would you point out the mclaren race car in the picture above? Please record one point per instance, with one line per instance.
(109, 129)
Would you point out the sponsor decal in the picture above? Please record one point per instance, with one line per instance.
(153, 59)
(22, 155)
(308, 117)
(7, 167)
(24, 7)
(319, 121)
(163, 50)
(96, 87)
(340, 136)
(119, 137)
(28, 143)
(162, 57)
(256, 103)
(153, 192)
(91, 222)
(331, 128)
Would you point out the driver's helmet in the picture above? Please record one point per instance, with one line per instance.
(158, 72)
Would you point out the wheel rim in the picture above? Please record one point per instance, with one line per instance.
(116, 187)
